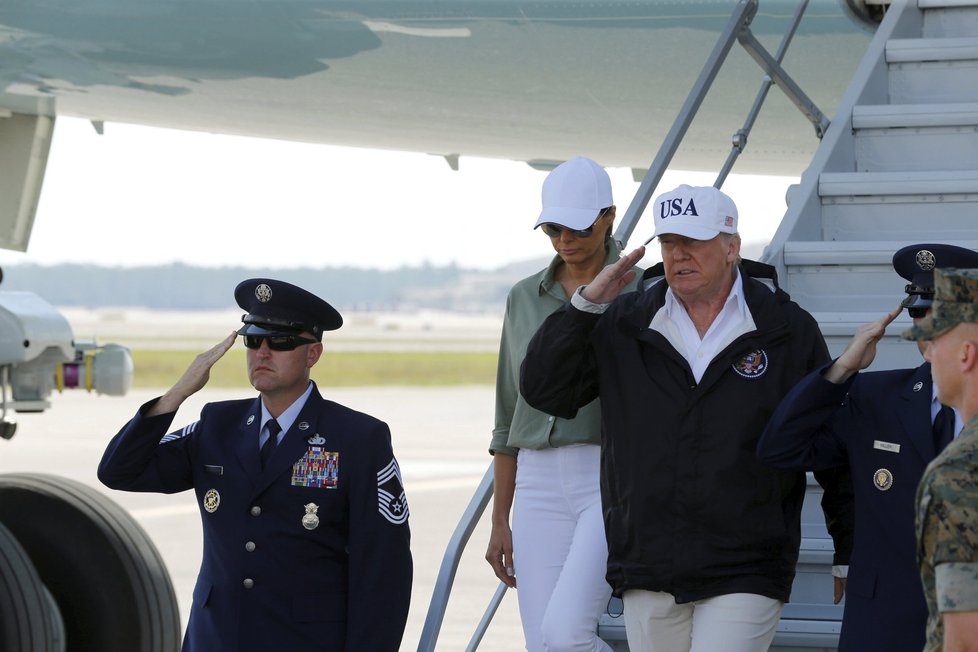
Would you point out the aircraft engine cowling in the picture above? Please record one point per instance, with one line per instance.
(868, 14)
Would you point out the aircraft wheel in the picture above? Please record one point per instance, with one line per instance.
(105, 574)
(29, 618)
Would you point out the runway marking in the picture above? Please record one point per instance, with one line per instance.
(421, 486)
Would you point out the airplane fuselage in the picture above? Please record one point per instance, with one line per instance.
(528, 80)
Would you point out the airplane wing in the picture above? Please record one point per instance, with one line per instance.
(523, 80)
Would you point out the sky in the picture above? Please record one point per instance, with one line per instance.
(147, 196)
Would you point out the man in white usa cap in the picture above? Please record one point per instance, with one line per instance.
(702, 538)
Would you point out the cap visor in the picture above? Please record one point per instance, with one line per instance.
(685, 230)
(255, 329)
(571, 218)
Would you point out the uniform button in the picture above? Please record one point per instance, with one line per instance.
(250, 546)
(256, 511)
(550, 419)
(248, 583)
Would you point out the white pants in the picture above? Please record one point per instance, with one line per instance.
(738, 622)
(559, 550)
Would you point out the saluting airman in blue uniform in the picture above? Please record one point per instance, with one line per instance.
(884, 426)
(306, 539)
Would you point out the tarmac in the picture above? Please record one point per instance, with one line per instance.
(440, 438)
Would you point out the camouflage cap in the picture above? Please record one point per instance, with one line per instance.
(955, 302)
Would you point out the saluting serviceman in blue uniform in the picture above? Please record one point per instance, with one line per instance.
(886, 426)
(306, 539)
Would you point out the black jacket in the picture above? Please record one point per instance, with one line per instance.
(688, 507)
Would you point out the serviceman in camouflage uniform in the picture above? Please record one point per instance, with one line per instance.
(947, 499)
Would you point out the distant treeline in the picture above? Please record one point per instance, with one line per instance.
(185, 287)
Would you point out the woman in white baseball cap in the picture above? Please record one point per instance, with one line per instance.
(546, 469)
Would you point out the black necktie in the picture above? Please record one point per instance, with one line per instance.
(943, 428)
(269, 446)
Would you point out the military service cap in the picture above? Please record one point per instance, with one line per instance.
(916, 263)
(280, 308)
(955, 302)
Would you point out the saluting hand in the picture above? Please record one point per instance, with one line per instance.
(611, 280)
(861, 350)
(194, 378)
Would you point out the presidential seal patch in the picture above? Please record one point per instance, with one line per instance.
(883, 479)
(391, 501)
(752, 365)
(212, 500)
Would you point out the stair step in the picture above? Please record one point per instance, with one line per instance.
(882, 184)
(881, 206)
(919, 50)
(930, 70)
(849, 253)
(949, 19)
(841, 324)
(915, 137)
(849, 283)
(945, 4)
(883, 116)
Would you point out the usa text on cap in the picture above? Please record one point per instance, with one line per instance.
(697, 212)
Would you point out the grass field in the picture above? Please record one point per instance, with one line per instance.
(161, 368)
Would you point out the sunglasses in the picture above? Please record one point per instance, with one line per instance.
(554, 230)
(917, 313)
(277, 342)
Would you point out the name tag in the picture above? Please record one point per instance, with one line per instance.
(886, 446)
(214, 469)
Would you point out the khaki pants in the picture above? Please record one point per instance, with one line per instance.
(738, 622)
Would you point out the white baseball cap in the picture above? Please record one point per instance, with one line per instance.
(697, 212)
(574, 193)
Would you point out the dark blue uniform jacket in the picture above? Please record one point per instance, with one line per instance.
(270, 580)
(879, 423)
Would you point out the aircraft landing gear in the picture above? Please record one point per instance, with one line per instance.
(106, 577)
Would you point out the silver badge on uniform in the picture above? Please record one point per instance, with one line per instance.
(886, 446)
(303, 425)
(310, 521)
(263, 293)
(917, 386)
(925, 260)
(212, 500)
(316, 440)
(883, 479)
(250, 420)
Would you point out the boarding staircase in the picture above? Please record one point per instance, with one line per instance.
(897, 165)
